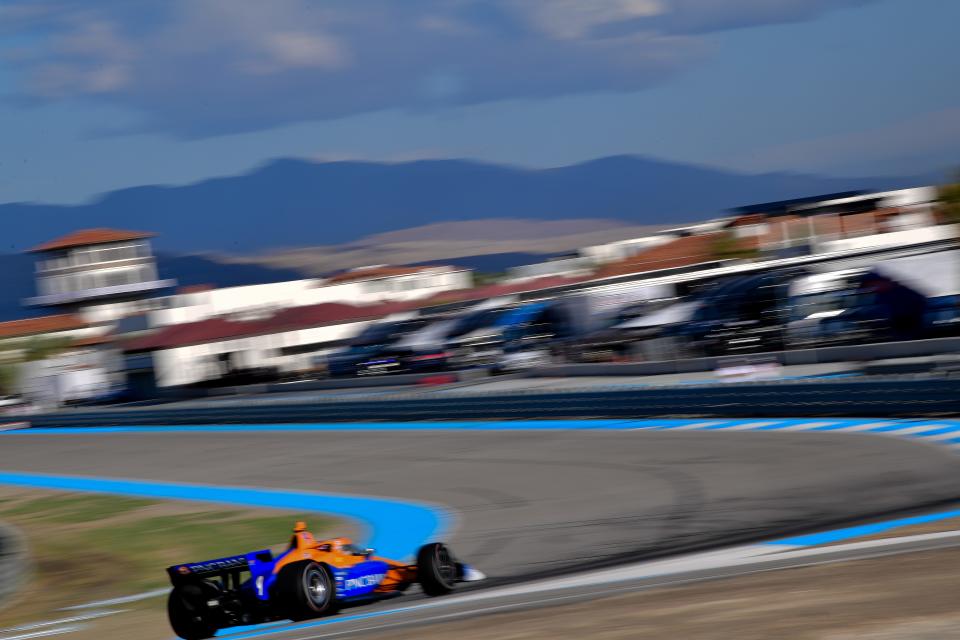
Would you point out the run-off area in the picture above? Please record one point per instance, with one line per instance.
(539, 503)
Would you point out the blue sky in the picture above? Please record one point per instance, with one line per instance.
(102, 94)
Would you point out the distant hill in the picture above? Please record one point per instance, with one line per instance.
(297, 203)
(18, 278)
(515, 241)
(493, 262)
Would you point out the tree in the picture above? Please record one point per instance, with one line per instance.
(43, 348)
(726, 246)
(8, 378)
(481, 278)
(950, 201)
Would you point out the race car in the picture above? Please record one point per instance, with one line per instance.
(308, 579)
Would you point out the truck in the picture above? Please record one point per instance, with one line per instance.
(900, 298)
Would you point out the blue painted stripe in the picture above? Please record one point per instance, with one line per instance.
(848, 533)
(259, 633)
(775, 424)
(395, 528)
(264, 628)
(507, 425)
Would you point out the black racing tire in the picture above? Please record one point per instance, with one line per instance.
(189, 616)
(436, 569)
(305, 590)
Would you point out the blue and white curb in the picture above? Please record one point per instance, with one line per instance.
(860, 531)
(942, 432)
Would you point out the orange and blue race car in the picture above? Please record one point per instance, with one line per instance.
(309, 579)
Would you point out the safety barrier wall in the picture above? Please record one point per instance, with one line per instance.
(399, 380)
(13, 562)
(897, 397)
(843, 353)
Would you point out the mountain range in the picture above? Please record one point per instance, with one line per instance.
(294, 218)
(290, 203)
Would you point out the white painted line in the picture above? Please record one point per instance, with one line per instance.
(93, 615)
(156, 593)
(45, 633)
(804, 426)
(781, 548)
(696, 425)
(747, 426)
(917, 429)
(867, 426)
(867, 544)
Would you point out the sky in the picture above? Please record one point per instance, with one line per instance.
(97, 95)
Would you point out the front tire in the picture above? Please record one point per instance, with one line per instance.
(436, 569)
(189, 615)
(305, 590)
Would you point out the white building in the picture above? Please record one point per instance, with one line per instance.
(101, 274)
(285, 341)
(69, 329)
(365, 285)
(622, 249)
(569, 267)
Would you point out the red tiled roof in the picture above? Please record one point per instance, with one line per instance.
(85, 237)
(747, 219)
(290, 319)
(92, 341)
(195, 288)
(372, 273)
(41, 325)
(681, 252)
(494, 290)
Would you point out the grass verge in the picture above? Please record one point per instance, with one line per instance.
(88, 547)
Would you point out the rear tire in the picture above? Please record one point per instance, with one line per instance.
(436, 569)
(189, 616)
(305, 590)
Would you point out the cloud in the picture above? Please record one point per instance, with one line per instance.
(706, 16)
(198, 68)
(574, 19)
(922, 143)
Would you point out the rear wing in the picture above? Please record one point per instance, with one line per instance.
(218, 567)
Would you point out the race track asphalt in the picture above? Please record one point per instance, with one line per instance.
(530, 503)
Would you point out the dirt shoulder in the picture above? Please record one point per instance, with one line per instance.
(912, 596)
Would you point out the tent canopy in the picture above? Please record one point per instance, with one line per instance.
(680, 312)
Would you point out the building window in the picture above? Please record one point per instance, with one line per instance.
(56, 260)
(375, 286)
